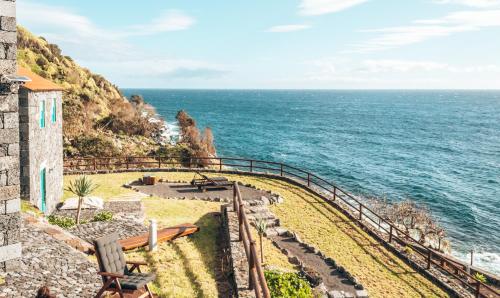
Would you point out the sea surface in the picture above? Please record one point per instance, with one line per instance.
(439, 148)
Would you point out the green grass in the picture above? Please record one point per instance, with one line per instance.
(28, 207)
(184, 264)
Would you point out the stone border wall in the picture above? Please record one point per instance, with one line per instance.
(238, 262)
(435, 275)
(10, 220)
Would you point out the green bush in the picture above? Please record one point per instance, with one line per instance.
(61, 221)
(103, 216)
(480, 277)
(287, 284)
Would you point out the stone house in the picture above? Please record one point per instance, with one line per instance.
(41, 141)
(10, 220)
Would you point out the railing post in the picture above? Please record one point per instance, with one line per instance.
(281, 170)
(478, 289)
(220, 164)
(240, 221)
(251, 166)
(159, 162)
(126, 162)
(95, 164)
(334, 192)
(251, 266)
(308, 179)
(429, 257)
(360, 212)
(390, 234)
(235, 204)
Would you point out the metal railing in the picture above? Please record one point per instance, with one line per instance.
(367, 218)
(256, 278)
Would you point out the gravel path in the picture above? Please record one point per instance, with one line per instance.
(52, 263)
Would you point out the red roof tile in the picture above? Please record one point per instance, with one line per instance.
(37, 82)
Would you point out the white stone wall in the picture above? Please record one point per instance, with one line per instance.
(10, 222)
(41, 148)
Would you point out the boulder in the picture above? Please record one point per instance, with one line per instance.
(88, 203)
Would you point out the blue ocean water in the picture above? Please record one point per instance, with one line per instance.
(440, 148)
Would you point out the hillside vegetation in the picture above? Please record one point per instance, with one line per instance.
(98, 119)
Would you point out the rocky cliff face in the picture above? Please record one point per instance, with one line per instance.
(98, 119)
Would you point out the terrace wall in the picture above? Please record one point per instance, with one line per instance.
(10, 221)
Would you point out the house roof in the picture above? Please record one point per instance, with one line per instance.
(37, 82)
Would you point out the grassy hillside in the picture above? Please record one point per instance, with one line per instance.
(98, 119)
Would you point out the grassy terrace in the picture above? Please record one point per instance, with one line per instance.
(188, 266)
(185, 267)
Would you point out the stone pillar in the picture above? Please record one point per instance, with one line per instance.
(10, 246)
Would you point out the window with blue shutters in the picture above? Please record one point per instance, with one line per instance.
(54, 111)
(42, 113)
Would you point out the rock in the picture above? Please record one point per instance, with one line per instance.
(330, 262)
(348, 295)
(279, 200)
(335, 294)
(362, 294)
(297, 238)
(284, 251)
(88, 203)
(294, 260)
(341, 269)
(358, 286)
(281, 231)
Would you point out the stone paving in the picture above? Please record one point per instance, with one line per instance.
(49, 262)
(94, 230)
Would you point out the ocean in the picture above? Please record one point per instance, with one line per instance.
(439, 148)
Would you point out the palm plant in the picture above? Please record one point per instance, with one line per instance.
(81, 187)
(261, 226)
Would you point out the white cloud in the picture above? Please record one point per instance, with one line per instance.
(171, 20)
(109, 51)
(471, 3)
(288, 28)
(320, 7)
(421, 30)
(398, 74)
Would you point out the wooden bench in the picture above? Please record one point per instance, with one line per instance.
(210, 182)
(163, 235)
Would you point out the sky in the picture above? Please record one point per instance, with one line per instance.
(277, 44)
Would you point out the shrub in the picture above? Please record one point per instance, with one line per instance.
(480, 277)
(408, 250)
(286, 284)
(61, 221)
(103, 216)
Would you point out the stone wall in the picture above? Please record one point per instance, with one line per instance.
(41, 147)
(10, 246)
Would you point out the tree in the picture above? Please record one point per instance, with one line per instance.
(81, 187)
(261, 226)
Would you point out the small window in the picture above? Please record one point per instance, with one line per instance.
(42, 113)
(54, 111)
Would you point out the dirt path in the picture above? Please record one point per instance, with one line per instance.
(331, 277)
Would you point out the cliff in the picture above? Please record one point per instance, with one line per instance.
(98, 119)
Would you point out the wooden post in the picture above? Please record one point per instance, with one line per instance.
(126, 162)
(251, 266)
(240, 220)
(334, 192)
(429, 258)
(95, 164)
(360, 212)
(220, 164)
(281, 170)
(390, 234)
(478, 289)
(308, 179)
(251, 166)
(471, 257)
(159, 162)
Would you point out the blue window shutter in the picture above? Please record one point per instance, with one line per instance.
(42, 113)
(54, 110)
